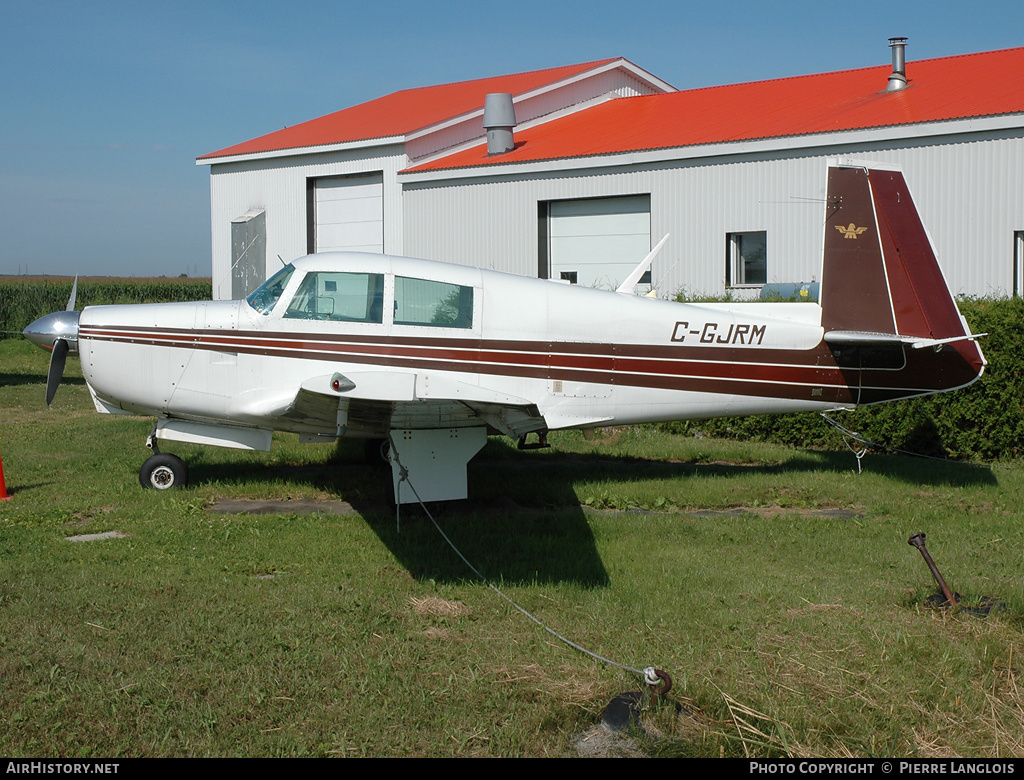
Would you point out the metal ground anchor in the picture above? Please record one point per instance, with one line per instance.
(658, 681)
(623, 713)
(917, 540)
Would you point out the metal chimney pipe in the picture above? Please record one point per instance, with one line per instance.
(898, 79)
(499, 119)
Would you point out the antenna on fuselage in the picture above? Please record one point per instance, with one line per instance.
(634, 278)
(664, 276)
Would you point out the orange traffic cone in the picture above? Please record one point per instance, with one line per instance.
(3, 485)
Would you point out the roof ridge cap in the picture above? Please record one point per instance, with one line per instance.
(591, 64)
(863, 68)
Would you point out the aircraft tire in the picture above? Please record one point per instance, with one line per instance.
(163, 472)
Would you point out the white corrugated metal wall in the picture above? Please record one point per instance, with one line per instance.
(278, 186)
(968, 188)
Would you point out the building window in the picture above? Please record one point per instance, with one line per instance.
(746, 265)
(1018, 263)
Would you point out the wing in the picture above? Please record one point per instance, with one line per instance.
(371, 403)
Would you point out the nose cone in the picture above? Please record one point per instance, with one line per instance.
(59, 325)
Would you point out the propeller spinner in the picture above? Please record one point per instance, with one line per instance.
(57, 332)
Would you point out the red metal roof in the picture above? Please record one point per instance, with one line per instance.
(402, 112)
(970, 85)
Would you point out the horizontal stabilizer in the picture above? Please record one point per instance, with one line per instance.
(867, 338)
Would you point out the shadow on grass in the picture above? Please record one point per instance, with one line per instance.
(502, 539)
(503, 457)
(509, 481)
(13, 491)
(11, 380)
(524, 523)
(927, 471)
(505, 545)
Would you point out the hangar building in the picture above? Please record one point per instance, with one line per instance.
(602, 159)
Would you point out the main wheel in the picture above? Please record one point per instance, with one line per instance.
(163, 472)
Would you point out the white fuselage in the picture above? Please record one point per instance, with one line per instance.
(617, 359)
(433, 356)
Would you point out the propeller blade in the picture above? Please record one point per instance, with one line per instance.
(74, 294)
(56, 372)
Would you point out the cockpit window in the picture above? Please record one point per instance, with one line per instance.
(426, 302)
(339, 296)
(264, 297)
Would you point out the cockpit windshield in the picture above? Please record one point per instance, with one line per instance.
(264, 297)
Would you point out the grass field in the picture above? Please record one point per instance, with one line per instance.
(775, 585)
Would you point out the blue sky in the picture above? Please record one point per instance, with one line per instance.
(106, 105)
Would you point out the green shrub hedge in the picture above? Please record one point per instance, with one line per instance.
(982, 422)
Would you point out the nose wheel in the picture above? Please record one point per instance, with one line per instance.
(163, 472)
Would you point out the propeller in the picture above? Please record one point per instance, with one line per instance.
(56, 372)
(74, 294)
(58, 332)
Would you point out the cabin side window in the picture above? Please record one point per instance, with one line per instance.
(341, 297)
(426, 302)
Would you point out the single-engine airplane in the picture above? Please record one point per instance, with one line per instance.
(434, 357)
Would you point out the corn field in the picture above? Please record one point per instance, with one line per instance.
(25, 298)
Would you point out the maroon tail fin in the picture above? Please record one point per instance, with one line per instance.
(881, 283)
(854, 290)
(880, 274)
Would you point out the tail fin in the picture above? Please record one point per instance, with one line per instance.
(880, 280)
(880, 273)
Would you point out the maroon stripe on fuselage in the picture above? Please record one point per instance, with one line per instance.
(760, 365)
(768, 372)
(540, 352)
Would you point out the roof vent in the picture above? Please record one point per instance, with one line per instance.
(898, 79)
(499, 119)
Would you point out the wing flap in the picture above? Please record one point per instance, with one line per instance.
(371, 403)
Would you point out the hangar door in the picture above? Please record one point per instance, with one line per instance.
(596, 242)
(347, 213)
